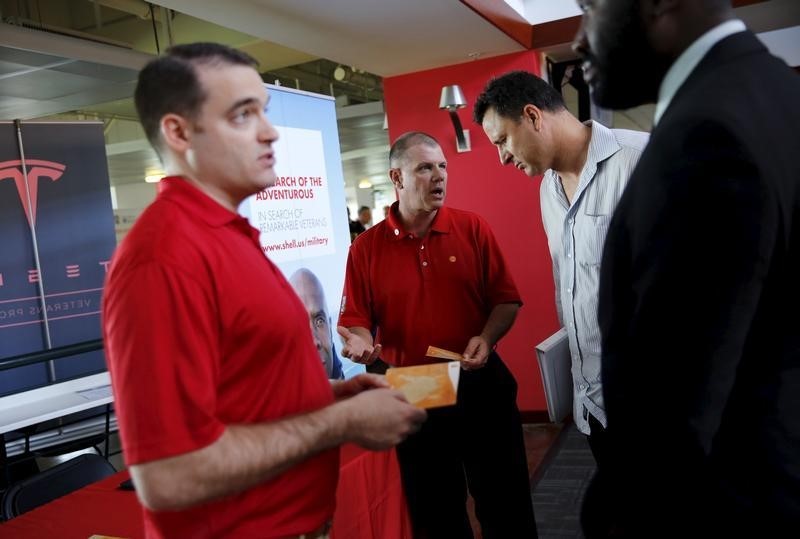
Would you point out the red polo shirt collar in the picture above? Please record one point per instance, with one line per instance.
(180, 191)
(395, 230)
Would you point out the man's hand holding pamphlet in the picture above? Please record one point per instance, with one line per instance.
(432, 385)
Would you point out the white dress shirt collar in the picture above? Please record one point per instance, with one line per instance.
(688, 60)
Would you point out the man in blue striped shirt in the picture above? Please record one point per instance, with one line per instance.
(585, 168)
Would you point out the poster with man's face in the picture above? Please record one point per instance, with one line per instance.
(303, 217)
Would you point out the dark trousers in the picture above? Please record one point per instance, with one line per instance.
(595, 513)
(476, 446)
(597, 440)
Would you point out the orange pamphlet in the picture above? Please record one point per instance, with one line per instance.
(427, 386)
(433, 351)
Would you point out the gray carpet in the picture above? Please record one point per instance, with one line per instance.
(558, 489)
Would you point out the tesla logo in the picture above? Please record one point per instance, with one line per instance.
(72, 271)
(38, 169)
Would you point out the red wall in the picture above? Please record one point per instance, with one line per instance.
(508, 199)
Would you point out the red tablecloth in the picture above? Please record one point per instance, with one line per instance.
(99, 508)
(369, 505)
(369, 498)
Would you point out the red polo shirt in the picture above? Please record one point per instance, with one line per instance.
(202, 331)
(437, 290)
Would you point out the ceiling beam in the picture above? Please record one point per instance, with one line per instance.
(543, 35)
(129, 146)
(505, 18)
(357, 111)
(70, 47)
(552, 33)
(381, 149)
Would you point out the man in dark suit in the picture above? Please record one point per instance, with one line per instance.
(700, 276)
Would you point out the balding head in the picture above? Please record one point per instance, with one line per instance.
(408, 140)
(308, 287)
(309, 290)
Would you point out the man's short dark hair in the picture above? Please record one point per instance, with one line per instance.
(406, 141)
(509, 93)
(169, 84)
(363, 208)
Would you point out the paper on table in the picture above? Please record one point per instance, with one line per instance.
(433, 351)
(95, 393)
(427, 386)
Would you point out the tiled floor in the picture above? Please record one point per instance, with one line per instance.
(558, 493)
(539, 440)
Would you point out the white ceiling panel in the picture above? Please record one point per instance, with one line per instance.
(385, 38)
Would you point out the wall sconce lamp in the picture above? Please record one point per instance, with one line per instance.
(453, 99)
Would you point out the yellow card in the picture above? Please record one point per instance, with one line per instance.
(427, 386)
(433, 351)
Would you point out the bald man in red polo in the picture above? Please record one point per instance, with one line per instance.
(430, 275)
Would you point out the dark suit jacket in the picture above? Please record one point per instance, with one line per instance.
(700, 308)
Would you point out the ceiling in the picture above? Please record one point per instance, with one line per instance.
(394, 37)
(381, 37)
(79, 58)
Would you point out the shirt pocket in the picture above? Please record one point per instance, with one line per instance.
(592, 239)
(598, 207)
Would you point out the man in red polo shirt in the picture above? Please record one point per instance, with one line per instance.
(228, 422)
(430, 275)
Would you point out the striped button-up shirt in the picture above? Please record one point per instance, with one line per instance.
(576, 233)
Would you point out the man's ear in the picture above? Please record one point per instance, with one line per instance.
(175, 132)
(532, 113)
(396, 177)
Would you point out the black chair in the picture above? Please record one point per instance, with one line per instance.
(53, 483)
